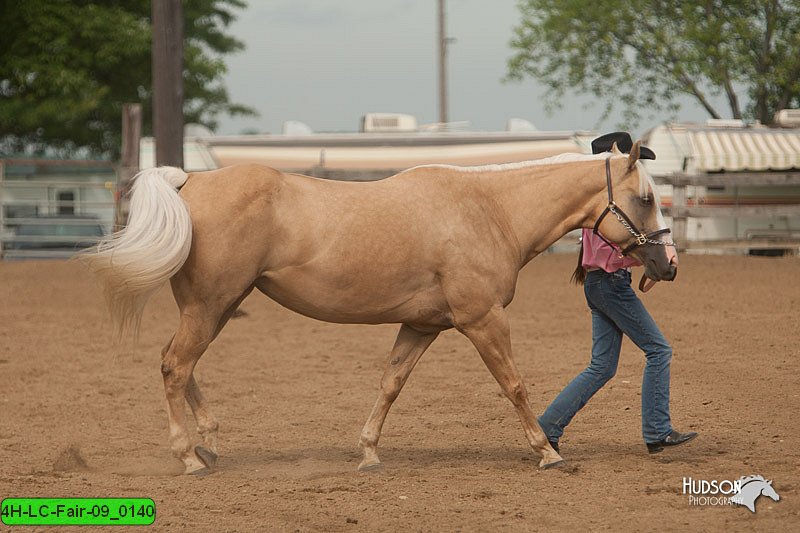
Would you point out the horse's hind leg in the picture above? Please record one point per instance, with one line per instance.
(491, 336)
(207, 425)
(408, 348)
(190, 341)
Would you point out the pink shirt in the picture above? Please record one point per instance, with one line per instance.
(598, 254)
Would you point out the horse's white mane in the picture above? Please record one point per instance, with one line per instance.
(561, 158)
(646, 183)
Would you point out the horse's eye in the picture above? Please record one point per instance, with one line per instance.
(647, 200)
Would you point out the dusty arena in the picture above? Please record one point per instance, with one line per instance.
(292, 394)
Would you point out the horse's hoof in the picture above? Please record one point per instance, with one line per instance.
(372, 467)
(203, 472)
(208, 457)
(558, 464)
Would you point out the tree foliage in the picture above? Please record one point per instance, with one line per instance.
(641, 54)
(68, 66)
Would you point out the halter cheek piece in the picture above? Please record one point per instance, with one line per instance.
(641, 237)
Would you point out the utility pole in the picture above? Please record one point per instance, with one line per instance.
(443, 41)
(167, 17)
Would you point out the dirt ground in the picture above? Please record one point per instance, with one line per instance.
(292, 395)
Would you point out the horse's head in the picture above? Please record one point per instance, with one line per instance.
(632, 218)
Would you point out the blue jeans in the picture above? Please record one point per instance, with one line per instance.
(616, 310)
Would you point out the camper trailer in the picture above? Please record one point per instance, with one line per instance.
(387, 144)
(739, 184)
(54, 208)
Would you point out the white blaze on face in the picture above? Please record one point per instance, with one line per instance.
(647, 185)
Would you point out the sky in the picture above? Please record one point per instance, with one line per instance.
(328, 62)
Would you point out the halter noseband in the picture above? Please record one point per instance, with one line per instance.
(641, 237)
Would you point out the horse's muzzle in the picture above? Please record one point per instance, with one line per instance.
(655, 270)
(672, 273)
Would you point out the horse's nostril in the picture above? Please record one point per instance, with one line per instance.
(673, 273)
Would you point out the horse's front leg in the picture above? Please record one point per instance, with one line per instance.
(408, 348)
(491, 336)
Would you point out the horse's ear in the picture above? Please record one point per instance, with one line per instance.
(635, 153)
(769, 482)
(615, 149)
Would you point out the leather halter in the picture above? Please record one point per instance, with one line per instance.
(641, 237)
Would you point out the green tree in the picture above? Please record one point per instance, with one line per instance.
(641, 54)
(66, 68)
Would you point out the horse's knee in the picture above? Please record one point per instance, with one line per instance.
(176, 379)
(177, 366)
(517, 393)
(391, 387)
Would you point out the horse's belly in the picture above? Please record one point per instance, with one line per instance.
(358, 302)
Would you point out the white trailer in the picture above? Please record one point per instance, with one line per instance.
(739, 184)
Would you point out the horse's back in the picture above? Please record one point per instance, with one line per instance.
(228, 183)
(417, 213)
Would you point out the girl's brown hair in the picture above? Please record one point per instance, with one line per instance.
(579, 276)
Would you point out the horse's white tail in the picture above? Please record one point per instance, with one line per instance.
(135, 262)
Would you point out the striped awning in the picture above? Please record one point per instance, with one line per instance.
(736, 150)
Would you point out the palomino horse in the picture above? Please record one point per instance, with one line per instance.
(432, 248)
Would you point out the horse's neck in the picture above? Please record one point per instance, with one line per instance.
(543, 203)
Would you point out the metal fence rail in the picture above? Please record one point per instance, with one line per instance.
(680, 211)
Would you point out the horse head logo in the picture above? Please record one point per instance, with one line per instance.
(751, 488)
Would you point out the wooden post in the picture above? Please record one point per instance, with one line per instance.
(679, 216)
(442, 65)
(129, 160)
(2, 206)
(167, 16)
(131, 135)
